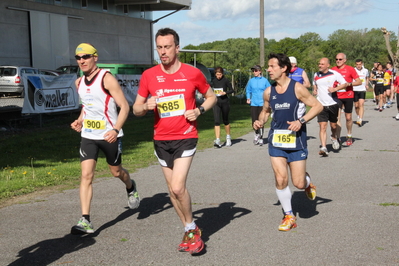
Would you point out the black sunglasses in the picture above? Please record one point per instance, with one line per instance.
(339, 59)
(85, 56)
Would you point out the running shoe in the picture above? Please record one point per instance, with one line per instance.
(133, 197)
(83, 227)
(288, 223)
(380, 109)
(310, 191)
(256, 139)
(359, 122)
(335, 144)
(397, 117)
(260, 142)
(349, 141)
(228, 141)
(217, 143)
(192, 242)
(323, 152)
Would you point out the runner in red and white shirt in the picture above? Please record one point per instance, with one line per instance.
(169, 90)
(346, 95)
(360, 91)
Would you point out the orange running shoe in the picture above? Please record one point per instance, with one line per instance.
(288, 223)
(192, 242)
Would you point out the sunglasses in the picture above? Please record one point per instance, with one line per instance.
(339, 59)
(255, 70)
(85, 56)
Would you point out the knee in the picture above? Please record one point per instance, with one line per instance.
(117, 172)
(177, 192)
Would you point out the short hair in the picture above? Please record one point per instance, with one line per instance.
(283, 61)
(168, 31)
(359, 60)
(219, 70)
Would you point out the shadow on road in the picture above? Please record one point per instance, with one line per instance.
(47, 251)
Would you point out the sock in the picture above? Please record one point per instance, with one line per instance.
(307, 181)
(87, 217)
(261, 132)
(349, 136)
(130, 189)
(190, 226)
(284, 196)
(228, 137)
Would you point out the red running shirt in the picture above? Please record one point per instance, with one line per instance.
(349, 74)
(176, 94)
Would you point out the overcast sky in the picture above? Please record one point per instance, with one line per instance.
(212, 20)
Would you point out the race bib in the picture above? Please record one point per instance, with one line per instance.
(94, 124)
(218, 91)
(284, 138)
(171, 106)
(380, 80)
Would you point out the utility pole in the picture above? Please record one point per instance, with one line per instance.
(262, 34)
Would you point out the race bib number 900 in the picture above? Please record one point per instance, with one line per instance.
(284, 139)
(171, 106)
(94, 124)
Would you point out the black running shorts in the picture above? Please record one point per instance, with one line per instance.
(329, 113)
(89, 149)
(168, 151)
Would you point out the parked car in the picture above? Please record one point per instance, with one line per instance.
(48, 72)
(71, 69)
(11, 82)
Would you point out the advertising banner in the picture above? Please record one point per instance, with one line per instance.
(50, 94)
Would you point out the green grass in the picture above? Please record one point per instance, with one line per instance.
(49, 156)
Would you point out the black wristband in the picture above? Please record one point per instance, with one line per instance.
(202, 110)
(117, 131)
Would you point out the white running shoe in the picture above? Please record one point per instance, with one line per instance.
(397, 117)
(256, 139)
(228, 141)
(217, 143)
(323, 152)
(335, 143)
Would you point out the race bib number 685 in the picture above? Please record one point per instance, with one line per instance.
(171, 106)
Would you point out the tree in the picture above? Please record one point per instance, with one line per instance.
(394, 57)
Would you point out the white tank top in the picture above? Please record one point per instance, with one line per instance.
(99, 108)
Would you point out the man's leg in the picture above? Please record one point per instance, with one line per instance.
(349, 122)
(176, 181)
(361, 110)
(323, 138)
(86, 185)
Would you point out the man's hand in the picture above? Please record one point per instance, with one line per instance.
(77, 125)
(294, 125)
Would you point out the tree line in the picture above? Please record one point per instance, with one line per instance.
(242, 54)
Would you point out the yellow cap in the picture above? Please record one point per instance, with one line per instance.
(86, 48)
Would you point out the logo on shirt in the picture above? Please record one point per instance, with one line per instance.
(283, 106)
(159, 93)
(161, 78)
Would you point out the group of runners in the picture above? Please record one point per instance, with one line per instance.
(169, 89)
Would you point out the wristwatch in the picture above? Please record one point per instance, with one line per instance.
(302, 120)
(202, 110)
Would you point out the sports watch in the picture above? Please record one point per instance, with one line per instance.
(302, 120)
(202, 109)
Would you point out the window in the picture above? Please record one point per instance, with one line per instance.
(84, 3)
(125, 9)
(105, 5)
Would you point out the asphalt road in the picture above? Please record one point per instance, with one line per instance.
(235, 203)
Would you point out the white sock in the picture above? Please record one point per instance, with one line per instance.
(190, 226)
(307, 181)
(284, 196)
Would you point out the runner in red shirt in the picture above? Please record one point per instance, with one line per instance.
(346, 95)
(169, 90)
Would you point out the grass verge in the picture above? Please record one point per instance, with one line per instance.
(48, 157)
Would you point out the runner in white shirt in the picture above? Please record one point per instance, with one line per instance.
(325, 84)
(360, 91)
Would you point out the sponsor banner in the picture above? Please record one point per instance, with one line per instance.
(129, 85)
(50, 94)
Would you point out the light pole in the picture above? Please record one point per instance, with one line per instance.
(262, 34)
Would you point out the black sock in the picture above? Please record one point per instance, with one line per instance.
(130, 189)
(87, 217)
